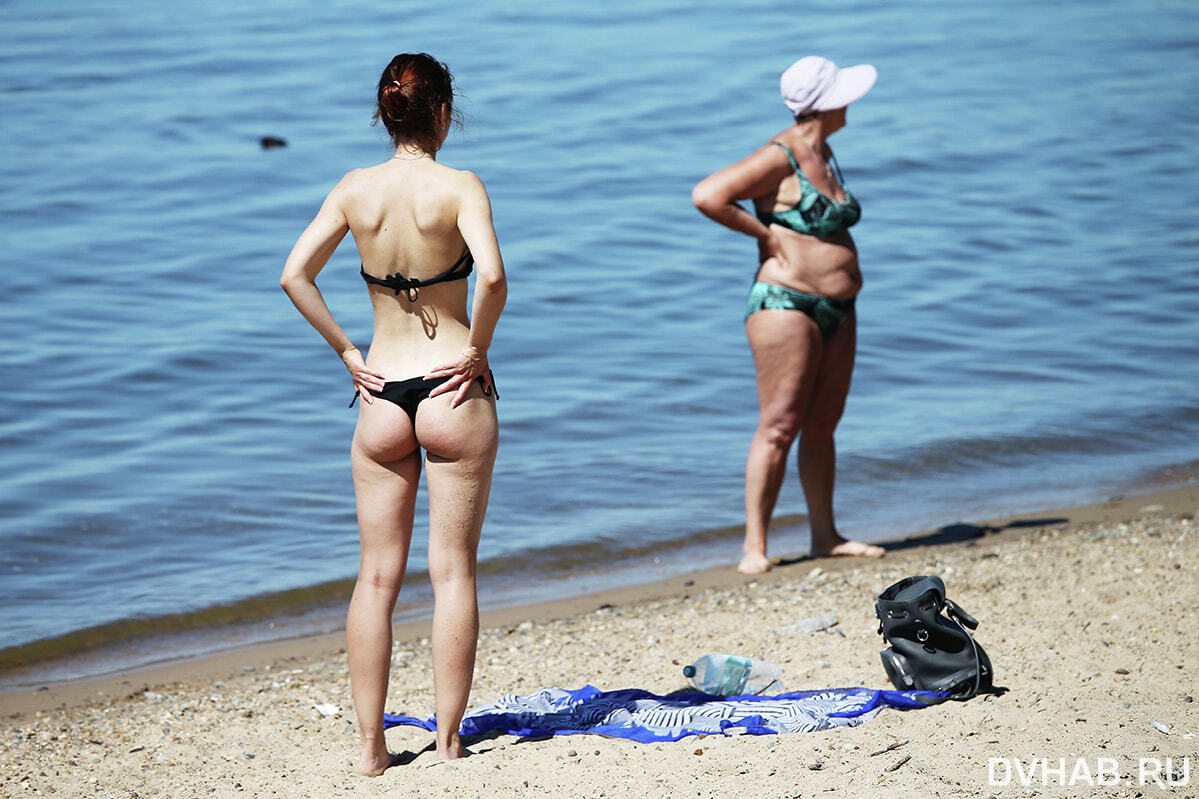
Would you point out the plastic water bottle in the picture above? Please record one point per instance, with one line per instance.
(732, 675)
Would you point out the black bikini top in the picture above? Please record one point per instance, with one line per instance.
(459, 271)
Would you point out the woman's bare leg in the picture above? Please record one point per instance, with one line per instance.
(817, 449)
(386, 464)
(461, 445)
(786, 347)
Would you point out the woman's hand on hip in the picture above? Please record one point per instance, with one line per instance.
(769, 246)
(365, 380)
(470, 366)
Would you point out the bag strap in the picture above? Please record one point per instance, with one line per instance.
(978, 663)
(955, 612)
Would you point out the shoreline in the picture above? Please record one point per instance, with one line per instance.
(127, 646)
(1174, 501)
(131, 646)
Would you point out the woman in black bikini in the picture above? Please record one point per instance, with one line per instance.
(800, 319)
(418, 226)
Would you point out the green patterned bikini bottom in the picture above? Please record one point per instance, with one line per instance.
(826, 312)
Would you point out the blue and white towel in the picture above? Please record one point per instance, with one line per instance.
(647, 717)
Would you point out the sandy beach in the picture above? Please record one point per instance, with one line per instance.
(1088, 614)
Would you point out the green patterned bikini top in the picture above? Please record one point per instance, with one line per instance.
(815, 214)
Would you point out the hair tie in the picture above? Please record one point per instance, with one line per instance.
(398, 85)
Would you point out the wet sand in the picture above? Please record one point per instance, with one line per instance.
(1089, 616)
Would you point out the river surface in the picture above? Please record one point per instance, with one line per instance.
(174, 437)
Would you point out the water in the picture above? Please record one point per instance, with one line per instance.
(174, 437)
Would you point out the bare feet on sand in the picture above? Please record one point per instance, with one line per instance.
(758, 563)
(372, 764)
(754, 563)
(844, 548)
(453, 751)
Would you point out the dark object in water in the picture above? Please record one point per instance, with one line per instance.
(271, 142)
(928, 651)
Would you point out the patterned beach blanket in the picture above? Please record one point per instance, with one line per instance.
(647, 717)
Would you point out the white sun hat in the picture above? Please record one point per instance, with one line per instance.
(817, 84)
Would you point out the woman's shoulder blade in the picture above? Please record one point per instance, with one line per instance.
(349, 183)
(465, 179)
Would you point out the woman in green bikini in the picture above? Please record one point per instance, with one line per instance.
(800, 319)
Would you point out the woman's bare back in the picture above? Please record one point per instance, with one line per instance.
(404, 219)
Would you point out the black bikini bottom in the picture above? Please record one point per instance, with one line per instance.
(408, 394)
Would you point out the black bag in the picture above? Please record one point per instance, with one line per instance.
(928, 651)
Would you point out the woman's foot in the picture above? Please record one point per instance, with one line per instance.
(372, 764)
(452, 750)
(844, 548)
(754, 563)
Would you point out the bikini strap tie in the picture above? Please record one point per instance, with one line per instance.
(408, 285)
(397, 282)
